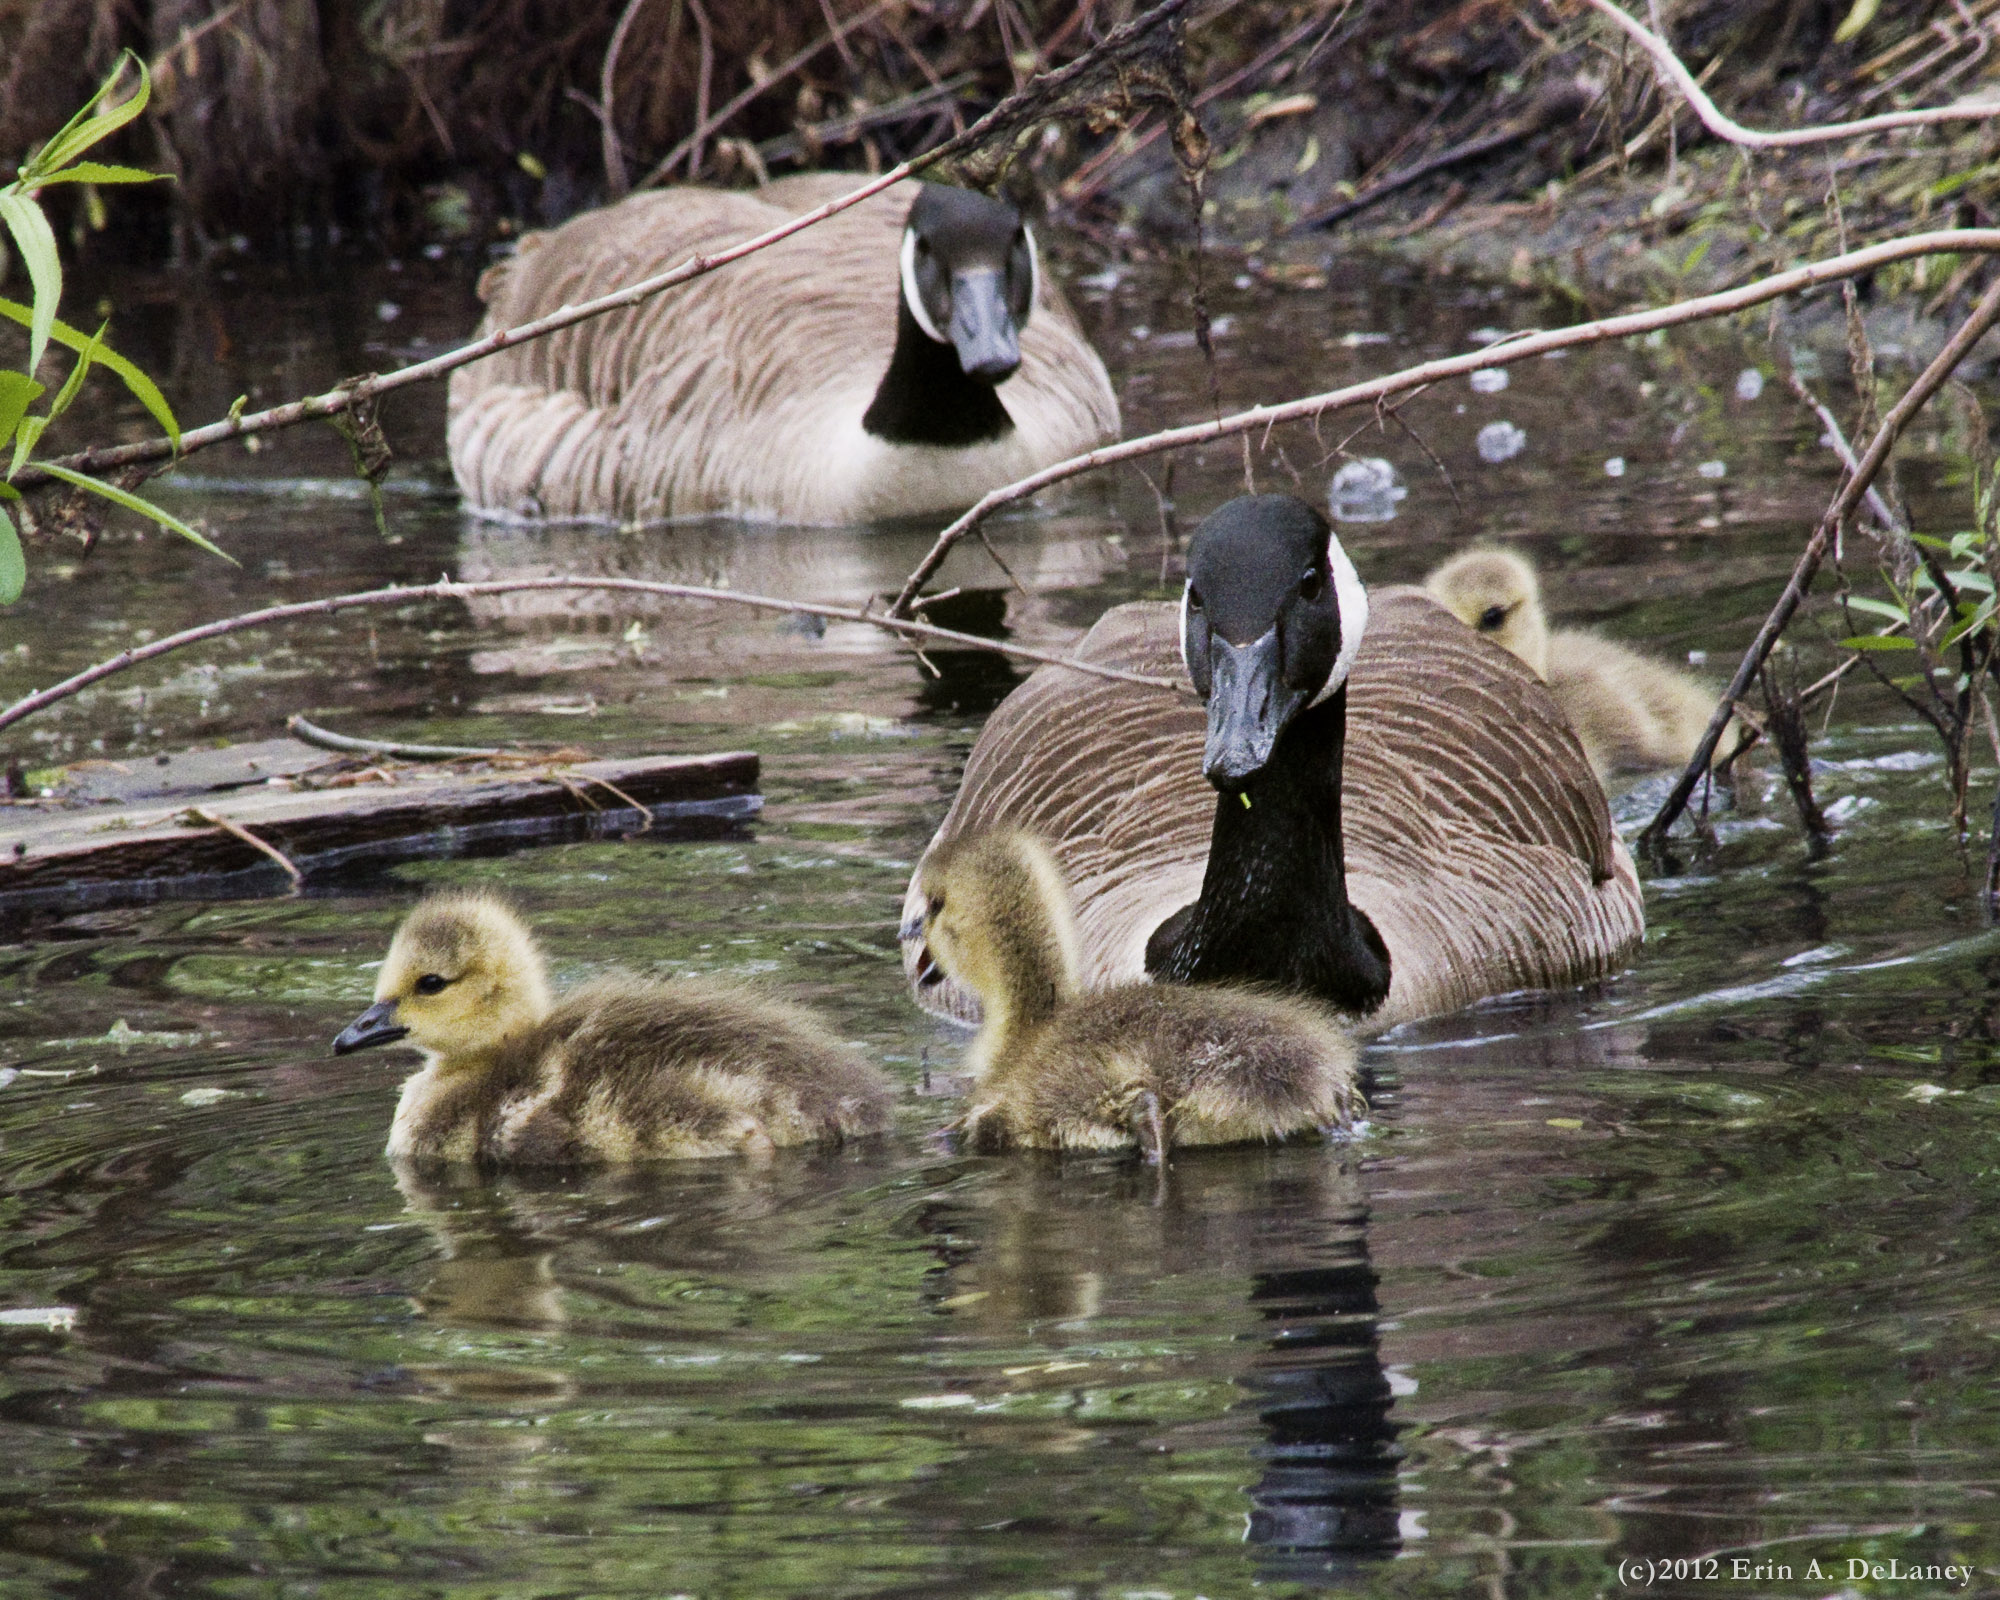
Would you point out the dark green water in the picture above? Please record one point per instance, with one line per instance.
(1698, 1267)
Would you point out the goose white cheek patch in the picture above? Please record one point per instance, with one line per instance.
(1186, 666)
(911, 298)
(1353, 602)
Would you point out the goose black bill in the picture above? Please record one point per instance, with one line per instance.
(982, 325)
(1249, 706)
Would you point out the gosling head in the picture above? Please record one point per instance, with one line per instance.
(997, 918)
(969, 277)
(462, 976)
(1496, 593)
(1272, 614)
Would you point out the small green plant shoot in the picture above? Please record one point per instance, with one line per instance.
(21, 428)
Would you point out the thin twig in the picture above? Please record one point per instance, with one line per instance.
(1367, 393)
(616, 179)
(363, 390)
(1970, 332)
(706, 35)
(1838, 441)
(236, 830)
(791, 64)
(446, 589)
(1724, 127)
(645, 811)
(326, 739)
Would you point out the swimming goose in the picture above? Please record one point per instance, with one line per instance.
(1056, 1069)
(1630, 713)
(620, 1069)
(884, 362)
(1400, 819)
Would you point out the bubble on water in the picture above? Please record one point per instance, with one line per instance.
(1615, 467)
(1713, 469)
(1749, 384)
(1489, 380)
(388, 311)
(1365, 490)
(1500, 441)
(1486, 335)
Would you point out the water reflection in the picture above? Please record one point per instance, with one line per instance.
(1070, 1253)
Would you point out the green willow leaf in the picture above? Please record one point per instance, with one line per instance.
(132, 502)
(1877, 641)
(78, 373)
(1879, 608)
(90, 125)
(37, 243)
(27, 434)
(99, 172)
(144, 390)
(18, 391)
(13, 564)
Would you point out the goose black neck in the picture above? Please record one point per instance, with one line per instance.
(1273, 906)
(926, 398)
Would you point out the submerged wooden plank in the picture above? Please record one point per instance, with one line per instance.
(74, 857)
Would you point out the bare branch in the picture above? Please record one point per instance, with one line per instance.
(1504, 353)
(1001, 124)
(777, 75)
(1970, 332)
(1723, 127)
(446, 589)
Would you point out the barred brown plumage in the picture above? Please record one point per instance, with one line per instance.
(743, 392)
(1477, 840)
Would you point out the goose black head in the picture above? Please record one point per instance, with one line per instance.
(969, 277)
(1273, 613)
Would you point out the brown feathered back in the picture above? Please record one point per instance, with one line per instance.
(742, 391)
(1477, 839)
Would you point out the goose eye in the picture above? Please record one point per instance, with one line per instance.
(1312, 585)
(923, 245)
(431, 983)
(1491, 618)
(1193, 598)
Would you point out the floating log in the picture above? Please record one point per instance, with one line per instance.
(218, 823)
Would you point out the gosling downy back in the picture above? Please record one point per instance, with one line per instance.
(1630, 712)
(1140, 1064)
(1424, 829)
(620, 1069)
(901, 357)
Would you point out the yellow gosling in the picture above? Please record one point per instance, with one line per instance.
(620, 1069)
(1145, 1065)
(1630, 713)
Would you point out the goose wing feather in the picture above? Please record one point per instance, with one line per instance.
(740, 391)
(1477, 839)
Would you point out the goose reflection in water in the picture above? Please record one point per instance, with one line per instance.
(1042, 1250)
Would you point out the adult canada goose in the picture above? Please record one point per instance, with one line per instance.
(904, 356)
(1630, 713)
(617, 1070)
(1056, 1069)
(1424, 833)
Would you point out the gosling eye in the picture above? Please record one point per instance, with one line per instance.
(430, 983)
(935, 906)
(1312, 584)
(1491, 618)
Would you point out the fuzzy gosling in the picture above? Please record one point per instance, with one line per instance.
(1155, 1066)
(1630, 712)
(621, 1069)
